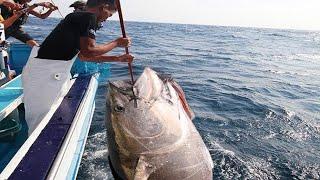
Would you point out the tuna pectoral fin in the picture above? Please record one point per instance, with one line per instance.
(143, 169)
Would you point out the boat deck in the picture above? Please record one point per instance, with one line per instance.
(10, 96)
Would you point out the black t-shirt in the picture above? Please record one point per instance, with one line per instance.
(64, 41)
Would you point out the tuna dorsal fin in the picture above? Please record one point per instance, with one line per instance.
(183, 99)
(143, 169)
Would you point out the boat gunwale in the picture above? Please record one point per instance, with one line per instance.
(20, 154)
(90, 106)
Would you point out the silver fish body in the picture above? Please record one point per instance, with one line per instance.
(156, 139)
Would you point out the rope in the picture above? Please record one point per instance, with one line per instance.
(57, 9)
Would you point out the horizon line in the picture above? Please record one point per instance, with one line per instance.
(217, 25)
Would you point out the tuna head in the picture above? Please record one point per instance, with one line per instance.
(157, 124)
(156, 139)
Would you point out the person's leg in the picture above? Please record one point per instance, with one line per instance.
(24, 37)
(12, 74)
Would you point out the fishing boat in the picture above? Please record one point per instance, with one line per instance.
(54, 149)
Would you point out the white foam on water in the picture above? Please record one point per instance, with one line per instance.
(295, 135)
(101, 153)
(94, 164)
(271, 135)
(294, 128)
(232, 166)
(309, 56)
(290, 114)
(304, 171)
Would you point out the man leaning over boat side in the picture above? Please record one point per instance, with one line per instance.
(5, 72)
(13, 6)
(48, 68)
(15, 30)
(10, 4)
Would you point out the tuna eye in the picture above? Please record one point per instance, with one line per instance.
(118, 109)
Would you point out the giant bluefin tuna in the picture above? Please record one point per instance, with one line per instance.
(156, 139)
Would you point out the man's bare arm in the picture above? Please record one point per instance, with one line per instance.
(89, 48)
(104, 58)
(42, 16)
(8, 22)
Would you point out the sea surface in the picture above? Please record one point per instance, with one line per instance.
(255, 93)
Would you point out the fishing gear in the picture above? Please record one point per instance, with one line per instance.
(126, 48)
(57, 9)
(25, 10)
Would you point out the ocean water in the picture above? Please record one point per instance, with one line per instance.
(255, 93)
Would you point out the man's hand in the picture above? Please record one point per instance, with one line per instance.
(126, 58)
(123, 42)
(54, 8)
(17, 13)
(12, 5)
(48, 5)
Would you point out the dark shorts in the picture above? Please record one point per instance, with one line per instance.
(20, 35)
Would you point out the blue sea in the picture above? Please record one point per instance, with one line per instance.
(255, 93)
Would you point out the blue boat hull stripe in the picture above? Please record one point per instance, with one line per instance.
(37, 162)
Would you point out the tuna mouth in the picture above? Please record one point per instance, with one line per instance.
(123, 90)
(148, 87)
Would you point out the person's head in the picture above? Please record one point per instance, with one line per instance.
(78, 6)
(103, 8)
(11, 4)
(23, 1)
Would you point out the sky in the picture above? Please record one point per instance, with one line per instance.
(284, 14)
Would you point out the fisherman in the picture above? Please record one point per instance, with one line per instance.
(48, 67)
(15, 30)
(10, 4)
(78, 6)
(82, 67)
(16, 13)
(5, 73)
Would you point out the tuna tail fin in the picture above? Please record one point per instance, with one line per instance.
(143, 169)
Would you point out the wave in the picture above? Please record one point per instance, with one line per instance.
(309, 56)
(228, 165)
(289, 125)
(278, 35)
(300, 73)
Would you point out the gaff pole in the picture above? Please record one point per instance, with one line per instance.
(126, 48)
